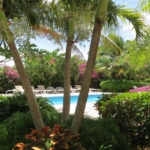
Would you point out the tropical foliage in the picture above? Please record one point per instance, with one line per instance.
(130, 111)
(116, 59)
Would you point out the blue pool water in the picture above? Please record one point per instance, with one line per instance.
(59, 100)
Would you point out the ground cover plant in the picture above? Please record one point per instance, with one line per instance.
(51, 139)
(130, 111)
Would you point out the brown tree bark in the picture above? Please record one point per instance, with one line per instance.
(36, 115)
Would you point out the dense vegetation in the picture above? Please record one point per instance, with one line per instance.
(16, 121)
(123, 123)
(120, 65)
(130, 111)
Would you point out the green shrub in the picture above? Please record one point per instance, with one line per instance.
(3, 138)
(4, 108)
(49, 113)
(18, 103)
(147, 80)
(16, 119)
(119, 85)
(12, 104)
(96, 133)
(131, 112)
(16, 126)
(19, 124)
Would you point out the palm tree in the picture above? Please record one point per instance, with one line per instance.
(8, 10)
(70, 42)
(72, 8)
(100, 16)
(145, 5)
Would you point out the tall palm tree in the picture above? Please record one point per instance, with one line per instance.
(100, 16)
(8, 10)
(70, 42)
(72, 8)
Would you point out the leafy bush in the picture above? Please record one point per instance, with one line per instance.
(14, 129)
(131, 112)
(119, 85)
(49, 113)
(4, 107)
(16, 119)
(18, 103)
(96, 133)
(12, 104)
(47, 139)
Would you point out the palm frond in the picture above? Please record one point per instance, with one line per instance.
(77, 51)
(145, 5)
(126, 15)
(108, 42)
(50, 34)
(33, 10)
(135, 18)
(112, 13)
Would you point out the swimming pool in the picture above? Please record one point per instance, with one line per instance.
(58, 100)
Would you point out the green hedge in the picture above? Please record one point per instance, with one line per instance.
(120, 85)
(131, 112)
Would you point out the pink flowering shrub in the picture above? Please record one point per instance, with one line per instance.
(82, 70)
(95, 75)
(10, 73)
(141, 89)
(8, 78)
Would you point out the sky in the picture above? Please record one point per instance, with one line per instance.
(126, 32)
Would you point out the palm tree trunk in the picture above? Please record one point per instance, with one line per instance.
(7, 36)
(36, 115)
(87, 78)
(70, 42)
(66, 102)
(99, 19)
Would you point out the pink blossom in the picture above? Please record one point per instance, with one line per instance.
(10, 73)
(52, 61)
(141, 89)
(82, 70)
